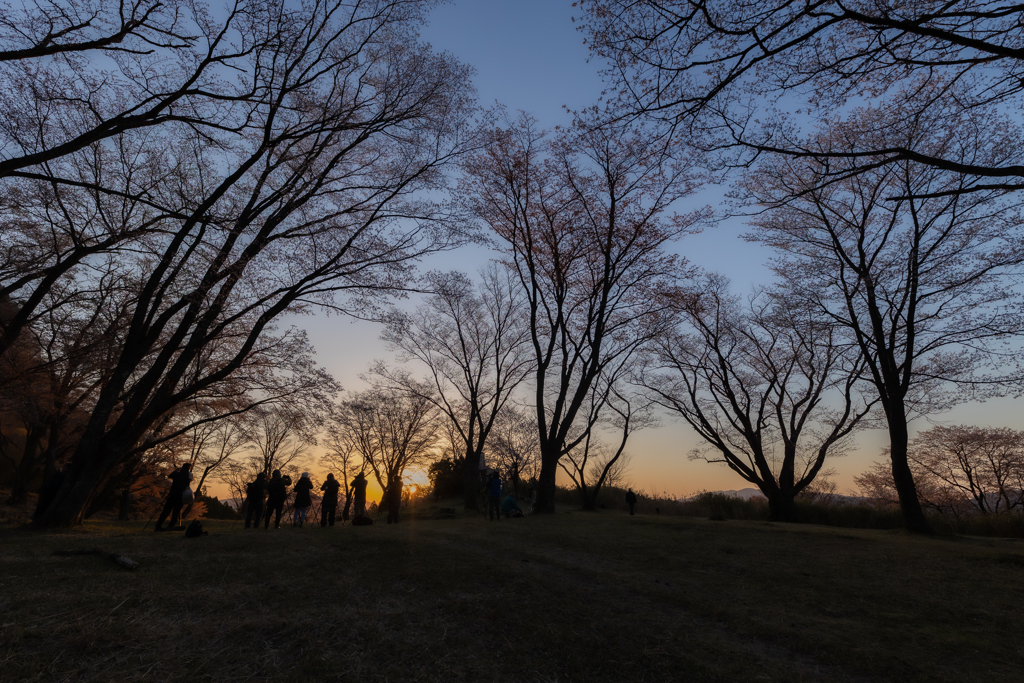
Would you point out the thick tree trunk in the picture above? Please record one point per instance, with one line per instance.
(781, 507)
(94, 460)
(546, 484)
(471, 481)
(914, 520)
(26, 467)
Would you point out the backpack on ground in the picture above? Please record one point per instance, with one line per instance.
(195, 529)
(362, 521)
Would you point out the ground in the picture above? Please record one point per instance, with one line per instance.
(566, 597)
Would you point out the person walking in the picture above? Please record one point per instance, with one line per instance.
(254, 495)
(303, 501)
(394, 498)
(494, 497)
(278, 494)
(329, 502)
(630, 500)
(180, 479)
(359, 495)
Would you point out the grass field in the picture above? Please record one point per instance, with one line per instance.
(571, 597)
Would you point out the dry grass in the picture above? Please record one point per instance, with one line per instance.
(571, 597)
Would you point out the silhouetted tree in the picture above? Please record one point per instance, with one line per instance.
(770, 389)
(744, 77)
(473, 344)
(318, 197)
(579, 223)
(392, 430)
(959, 469)
(926, 284)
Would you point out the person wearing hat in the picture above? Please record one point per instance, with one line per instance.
(303, 500)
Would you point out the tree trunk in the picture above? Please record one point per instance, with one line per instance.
(26, 467)
(546, 484)
(914, 520)
(471, 481)
(781, 507)
(93, 460)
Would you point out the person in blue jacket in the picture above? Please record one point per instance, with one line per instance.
(510, 508)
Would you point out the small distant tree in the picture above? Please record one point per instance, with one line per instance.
(514, 447)
(960, 469)
(473, 342)
(392, 431)
(594, 463)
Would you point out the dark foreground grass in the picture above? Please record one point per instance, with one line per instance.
(571, 597)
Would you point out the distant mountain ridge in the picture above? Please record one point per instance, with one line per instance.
(753, 494)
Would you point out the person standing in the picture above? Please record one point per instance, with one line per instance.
(329, 502)
(359, 495)
(254, 494)
(494, 497)
(394, 498)
(303, 500)
(180, 479)
(278, 490)
(630, 500)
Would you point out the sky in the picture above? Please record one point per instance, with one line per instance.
(529, 56)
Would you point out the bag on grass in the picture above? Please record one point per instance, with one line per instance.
(362, 521)
(195, 529)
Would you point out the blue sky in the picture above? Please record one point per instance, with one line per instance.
(528, 55)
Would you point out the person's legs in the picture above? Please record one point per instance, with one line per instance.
(493, 508)
(163, 515)
(330, 515)
(253, 512)
(176, 511)
(631, 508)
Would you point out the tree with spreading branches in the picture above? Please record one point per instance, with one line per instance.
(579, 219)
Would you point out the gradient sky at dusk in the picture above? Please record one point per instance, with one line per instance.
(529, 56)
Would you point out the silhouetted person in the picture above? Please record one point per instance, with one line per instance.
(277, 489)
(510, 508)
(180, 479)
(254, 495)
(494, 497)
(630, 500)
(359, 495)
(303, 501)
(329, 503)
(394, 498)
